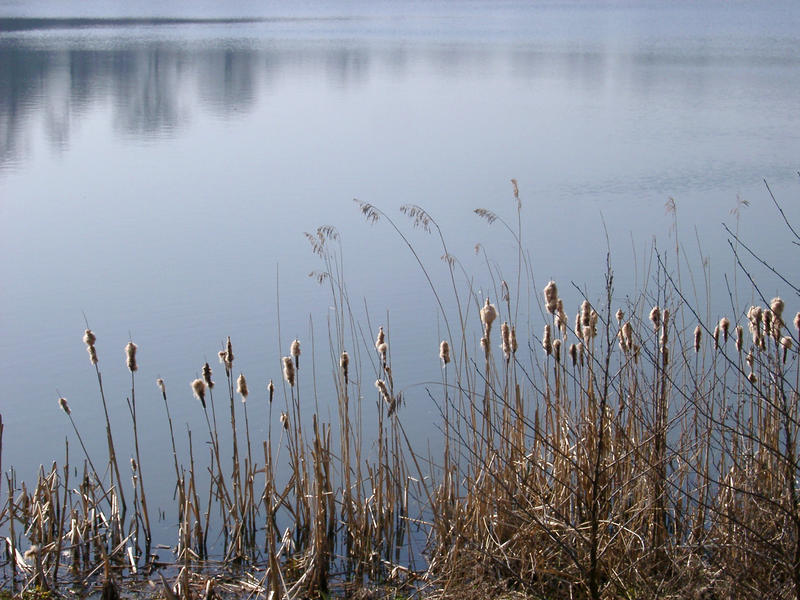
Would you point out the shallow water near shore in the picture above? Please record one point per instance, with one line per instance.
(157, 177)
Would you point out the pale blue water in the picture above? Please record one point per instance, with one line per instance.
(159, 176)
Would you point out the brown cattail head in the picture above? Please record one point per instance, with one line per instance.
(241, 387)
(505, 335)
(134, 467)
(739, 338)
(655, 317)
(485, 345)
(92, 354)
(754, 316)
(716, 337)
(547, 341)
(551, 297)
(786, 344)
(344, 363)
(130, 355)
(749, 359)
(593, 318)
(207, 375)
(698, 336)
(797, 321)
(285, 420)
(752, 378)
(62, 402)
(444, 352)
(557, 350)
(587, 335)
(578, 325)
(381, 385)
(627, 333)
(620, 315)
(229, 353)
(724, 326)
(89, 338)
(573, 354)
(382, 350)
(581, 353)
(288, 370)
(381, 337)
(561, 318)
(270, 391)
(776, 304)
(768, 319)
(623, 343)
(161, 386)
(513, 340)
(586, 314)
(665, 355)
(294, 350)
(488, 315)
(199, 389)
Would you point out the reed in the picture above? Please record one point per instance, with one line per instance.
(642, 453)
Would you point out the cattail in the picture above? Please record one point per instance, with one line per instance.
(223, 357)
(768, 318)
(294, 350)
(513, 340)
(381, 337)
(581, 353)
(573, 354)
(199, 389)
(786, 344)
(561, 318)
(739, 338)
(551, 297)
(382, 350)
(133, 465)
(623, 343)
(593, 318)
(754, 316)
(655, 317)
(288, 370)
(716, 337)
(620, 315)
(130, 354)
(724, 325)
(160, 384)
(578, 326)
(557, 350)
(505, 334)
(444, 352)
(241, 387)
(752, 378)
(229, 353)
(627, 333)
(586, 313)
(749, 359)
(488, 315)
(797, 321)
(344, 363)
(664, 339)
(207, 375)
(89, 338)
(62, 402)
(587, 335)
(270, 390)
(92, 354)
(381, 385)
(485, 345)
(776, 304)
(285, 420)
(698, 336)
(547, 340)
(665, 354)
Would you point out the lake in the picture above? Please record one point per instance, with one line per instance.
(160, 162)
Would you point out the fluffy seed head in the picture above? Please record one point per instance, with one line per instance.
(199, 389)
(294, 350)
(89, 338)
(547, 340)
(207, 375)
(288, 370)
(716, 337)
(655, 317)
(513, 340)
(285, 420)
(130, 355)
(382, 350)
(581, 353)
(752, 378)
(586, 313)
(698, 336)
(241, 387)
(724, 326)
(62, 402)
(557, 350)
(749, 359)
(551, 297)
(620, 315)
(627, 332)
(739, 338)
(381, 337)
(444, 352)
(381, 385)
(786, 344)
(485, 345)
(229, 352)
(160, 384)
(344, 363)
(573, 354)
(776, 304)
(31, 552)
(92, 354)
(488, 315)
(505, 334)
(797, 321)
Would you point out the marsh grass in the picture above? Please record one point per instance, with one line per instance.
(646, 452)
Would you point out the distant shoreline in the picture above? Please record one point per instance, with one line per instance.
(11, 24)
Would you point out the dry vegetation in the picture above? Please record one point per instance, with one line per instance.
(630, 452)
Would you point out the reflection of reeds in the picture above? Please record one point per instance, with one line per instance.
(634, 456)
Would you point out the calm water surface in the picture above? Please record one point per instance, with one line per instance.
(157, 176)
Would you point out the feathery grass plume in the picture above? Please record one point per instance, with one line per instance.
(160, 384)
(513, 339)
(724, 326)
(207, 375)
(199, 389)
(797, 321)
(505, 335)
(716, 337)
(285, 420)
(241, 387)
(488, 315)
(698, 336)
(62, 402)
(547, 340)
(294, 350)
(573, 354)
(786, 344)
(270, 391)
(739, 338)
(655, 317)
(130, 355)
(557, 350)
(551, 297)
(444, 352)
(381, 338)
(288, 370)
(344, 363)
